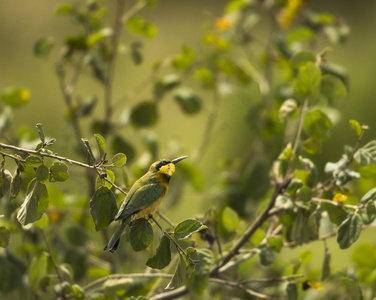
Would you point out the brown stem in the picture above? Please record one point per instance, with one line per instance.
(253, 227)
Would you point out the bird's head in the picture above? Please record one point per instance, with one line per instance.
(165, 166)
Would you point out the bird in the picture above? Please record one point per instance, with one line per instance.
(144, 197)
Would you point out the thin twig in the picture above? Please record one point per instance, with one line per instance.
(299, 132)
(253, 227)
(48, 246)
(244, 288)
(274, 279)
(99, 281)
(117, 27)
(213, 112)
(164, 218)
(59, 158)
(180, 249)
(340, 204)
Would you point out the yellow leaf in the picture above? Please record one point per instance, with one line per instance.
(339, 197)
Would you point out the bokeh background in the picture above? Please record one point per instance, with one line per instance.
(180, 22)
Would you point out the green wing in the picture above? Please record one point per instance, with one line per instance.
(139, 199)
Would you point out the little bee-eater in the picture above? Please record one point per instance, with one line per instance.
(144, 197)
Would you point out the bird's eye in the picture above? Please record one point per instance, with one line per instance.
(162, 163)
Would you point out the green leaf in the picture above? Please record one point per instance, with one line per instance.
(333, 89)
(302, 33)
(37, 271)
(367, 154)
(90, 157)
(101, 144)
(119, 144)
(43, 46)
(235, 5)
(64, 9)
(288, 109)
(180, 274)
(356, 127)
(137, 25)
(266, 255)
(317, 124)
(78, 292)
(371, 210)
(369, 196)
(144, 114)
(292, 291)
(230, 219)
(6, 180)
(119, 160)
(349, 231)
(15, 184)
(314, 223)
(58, 172)
(205, 76)
(189, 102)
(136, 54)
(300, 232)
(109, 175)
(352, 288)
(33, 161)
(103, 207)
(305, 257)
(87, 106)
(97, 36)
(166, 84)
(275, 243)
(35, 204)
(184, 60)
(42, 223)
(308, 82)
(293, 186)
(15, 96)
(40, 130)
(4, 237)
(162, 257)
(198, 282)
(185, 229)
(312, 146)
(301, 58)
(141, 234)
(311, 170)
(42, 173)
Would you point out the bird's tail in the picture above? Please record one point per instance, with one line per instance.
(115, 239)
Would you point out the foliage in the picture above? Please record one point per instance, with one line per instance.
(274, 197)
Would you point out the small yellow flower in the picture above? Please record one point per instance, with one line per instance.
(222, 24)
(314, 285)
(339, 197)
(288, 13)
(25, 95)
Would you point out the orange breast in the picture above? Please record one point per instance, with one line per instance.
(151, 208)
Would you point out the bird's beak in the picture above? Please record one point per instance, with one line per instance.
(176, 160)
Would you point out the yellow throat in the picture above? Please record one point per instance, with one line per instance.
(168, 169)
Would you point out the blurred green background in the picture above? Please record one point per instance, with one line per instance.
(179, 22)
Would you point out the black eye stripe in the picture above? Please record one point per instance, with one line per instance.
(162, 163)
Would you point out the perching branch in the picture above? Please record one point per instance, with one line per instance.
(57, 157)
(253, 227)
